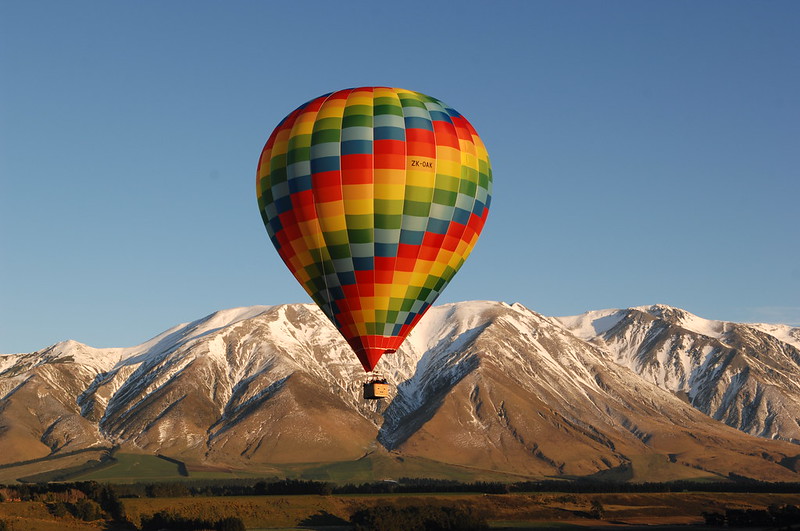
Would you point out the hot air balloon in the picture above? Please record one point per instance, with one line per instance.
(374, 197)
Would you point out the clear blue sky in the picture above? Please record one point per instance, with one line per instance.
(643, 152)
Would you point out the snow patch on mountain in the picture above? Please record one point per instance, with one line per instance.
(744, 375)
(589, 325)
(785, 333)
(223, 369)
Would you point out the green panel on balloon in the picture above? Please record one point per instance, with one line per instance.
(374, 197)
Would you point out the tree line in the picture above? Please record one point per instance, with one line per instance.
(103, 493)
(773, 516)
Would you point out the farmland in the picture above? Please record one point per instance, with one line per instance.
(334, 511)
(115, 491)
(111, 466)
(501, 510)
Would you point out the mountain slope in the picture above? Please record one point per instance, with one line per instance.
(747, 376)
(478, 386)
(526, 396)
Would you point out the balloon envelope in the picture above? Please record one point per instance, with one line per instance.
(374, 197)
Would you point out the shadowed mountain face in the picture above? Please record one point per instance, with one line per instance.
(477, 385)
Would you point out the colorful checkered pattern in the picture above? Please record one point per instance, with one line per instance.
(374, 197)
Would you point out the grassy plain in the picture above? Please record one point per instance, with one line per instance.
(378, 467)
(50, 468)
(143, 468)
(655, 468)
(370, 468)
(97, 465)
(34, 516)
(132, 468)
(503, 511)
(118, 467)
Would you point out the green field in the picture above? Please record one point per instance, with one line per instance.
(132, 468)
(52, 468)
(654, 467)
(108, 465)
(118, 467)
(377, 467)
(135, 468)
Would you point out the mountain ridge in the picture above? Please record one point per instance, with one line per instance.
(746, 375)
(481, 384)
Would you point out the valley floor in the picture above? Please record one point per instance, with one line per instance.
(517, 511)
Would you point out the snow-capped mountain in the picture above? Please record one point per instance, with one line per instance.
(746, 375)
(477, 385)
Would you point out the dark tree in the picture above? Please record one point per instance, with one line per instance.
(597, 511)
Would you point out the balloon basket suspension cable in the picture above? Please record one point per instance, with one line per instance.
(376, 386)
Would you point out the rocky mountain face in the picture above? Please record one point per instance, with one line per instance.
(747, 376)
(477, 385)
